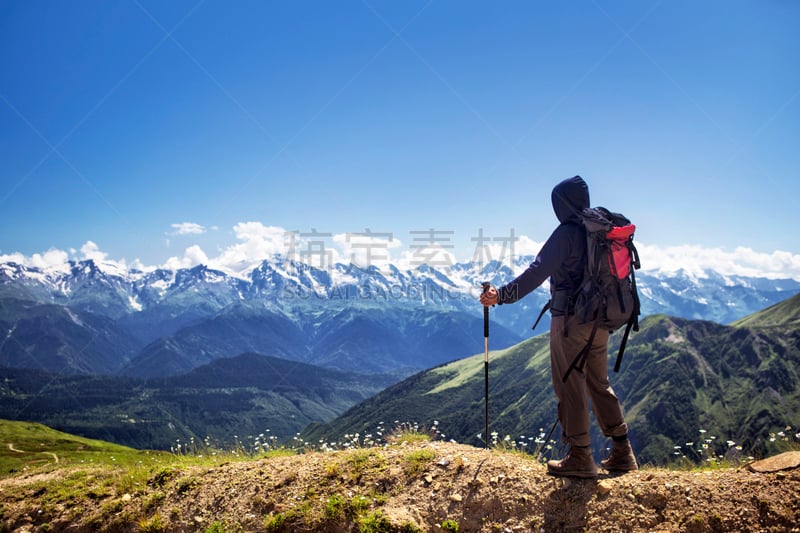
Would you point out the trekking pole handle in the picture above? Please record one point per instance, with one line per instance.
(486, 286)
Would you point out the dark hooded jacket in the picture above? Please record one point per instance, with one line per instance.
(563, 255)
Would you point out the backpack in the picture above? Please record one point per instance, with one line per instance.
(607, 296)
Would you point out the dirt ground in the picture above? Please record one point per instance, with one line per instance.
(427, 486)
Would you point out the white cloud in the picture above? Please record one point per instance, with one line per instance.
(90, 250)
(55, 260)
(15, 257)
(257, 242)
(192, 257)
(52, 260)
(187, 228)
(742, 261)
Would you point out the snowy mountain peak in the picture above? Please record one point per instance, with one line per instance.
(100, 288)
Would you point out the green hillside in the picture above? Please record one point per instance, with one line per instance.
(240, 396)
(453, 396)
(783, 314)
(25, 445)
(690, 389)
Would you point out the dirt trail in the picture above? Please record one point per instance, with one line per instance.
(15, 450)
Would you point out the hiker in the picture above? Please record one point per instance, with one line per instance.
(562, 259)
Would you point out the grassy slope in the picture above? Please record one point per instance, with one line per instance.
(453, 395)
(25, 445)
(783, 314)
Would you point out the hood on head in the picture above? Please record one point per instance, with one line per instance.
(570, 197)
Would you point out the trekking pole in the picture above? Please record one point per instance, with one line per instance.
(486, 285)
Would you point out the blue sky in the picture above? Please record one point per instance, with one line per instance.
(152, 131)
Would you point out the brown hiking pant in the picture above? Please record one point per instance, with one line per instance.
(590, 384)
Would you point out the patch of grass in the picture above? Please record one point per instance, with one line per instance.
(154, 524)
(410, 437)
(162, 476)
(416, 461)
(451, 526)
(374, 495)
(332, 470)
(274, 522)
(216, 527)
(297, 518)
(153, 500)
(278, 452)
(359, 458)
(360, 461)
(374, 522)
(68, 490)
(411, 433)
(184, 485)
(357, 505)
(335, 507)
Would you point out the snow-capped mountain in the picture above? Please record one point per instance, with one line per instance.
(344, 316)
(106, 290)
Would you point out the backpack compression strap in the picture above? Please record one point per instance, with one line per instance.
(633, 322)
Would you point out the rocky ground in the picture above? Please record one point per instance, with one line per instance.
(410, 486)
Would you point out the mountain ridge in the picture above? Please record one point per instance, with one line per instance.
(171, 313)
(116, 293)
(243, 395)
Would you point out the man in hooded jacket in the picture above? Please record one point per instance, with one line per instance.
(562, 259)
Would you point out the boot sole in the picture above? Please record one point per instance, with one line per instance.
(620, 470)
(578, 475)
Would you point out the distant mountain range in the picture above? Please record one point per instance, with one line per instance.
(91, 317)
(143, 358)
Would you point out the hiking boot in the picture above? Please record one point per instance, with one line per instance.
(621, 458)
(577, 463)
